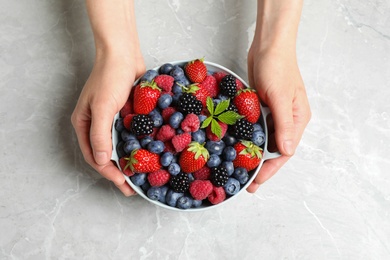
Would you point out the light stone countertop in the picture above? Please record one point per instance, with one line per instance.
(330, 201)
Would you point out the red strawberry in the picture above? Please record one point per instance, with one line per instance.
(210, 83)
(217, 195)
(202, 174)
(146, 96)
(200, 189)
(165, 82)
(200, 92)
(248, 156)
(158, 178)
(126, 170)
(193, 157)
(213, 137)
(248, 104)
(143, 161)
(196, 70)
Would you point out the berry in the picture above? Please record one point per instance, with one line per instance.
(218, 76)
(174, 168)
(188, 103)
(165, 133)
(164, 101)
(215, 147)
(243, 129)
(165, 82)
(126, 109)
(210, 83)
(126, 136)
(138, 179)
(181, 141)
(176, 119)
(145, 141)
(158, 178)
(258, 138)
(229, 166)
(214, 160)
(193, 157)
(197, 203)
(257, 127)
(190, 123)
(196, 70)
(241, 174)
(166, 159)
(248, 155)
(200, 189)
(157, 193)
(141, 125)
(119, 149)
(217, 195)
(166, 68)
(149, 75)
(218, 176)
(172, 197)
(127, 121)
(199, 136)
(184, 202)
(145, 97)
(229, 140)
(213, 137)
(248, 105)
(200, 92)
(167, 112)
(119, 125)
(202, 174)
(156, 147)
(227, 86)
(143, 161)
(156, 118)
(180, 182)
(177, 72)
(229, 153)
(239, 85)
(123, 164)
(232, 186)
(177, 89)
(131, 145)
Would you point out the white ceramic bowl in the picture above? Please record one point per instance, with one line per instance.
(211, 67)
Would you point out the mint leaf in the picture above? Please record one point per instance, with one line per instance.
(222, 106)
(206, 122)
(216, 128)
(229, 117)
(210, 105)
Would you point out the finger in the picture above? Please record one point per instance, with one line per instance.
(112, 173)
(267, 170)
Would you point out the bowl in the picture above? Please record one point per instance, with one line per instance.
(265, 112)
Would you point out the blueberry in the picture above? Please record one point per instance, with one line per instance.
(127, 136)
(145, 141)
(182, 80)
(166, 68)
(241, 174)
(163, 193)
(232, 186)
(229, 153)
(216, 101)
(177, 72)
(131, 145)
(202, 118)
(154, 193)
(119, 149)
(174, 169)
(172, 197)
(119, 125)
(166, 159)
(177, 89)
(191, 177)
(156, 147)
(228, 166)
(213, 161)
(149, 75)
(222, 96)
(157, 119)
(199, 136)
(179, 131)
(176, 98)
(164, 101)
(215, 147)
(184, 202)
(139, 179)
(258, 138)
(229, 140)
(257, 127)
(176, 119)
(145, 187)
(196, 203)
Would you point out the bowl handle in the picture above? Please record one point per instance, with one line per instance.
(267, 154)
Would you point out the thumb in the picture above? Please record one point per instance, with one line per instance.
(282, 114)
(100, 134)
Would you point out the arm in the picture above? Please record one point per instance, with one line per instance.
(118, 62)
(274, 72)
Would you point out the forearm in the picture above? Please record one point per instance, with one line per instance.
(277, 24)
(114, 27)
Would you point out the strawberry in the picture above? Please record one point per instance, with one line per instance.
(158, 178)
(196, 70)
(193, 157)
(217, 195)
(126, 170)
(200, 92)
(248, 155)
(248, 104)
(146, 96)
(200, 189)
(143, 161)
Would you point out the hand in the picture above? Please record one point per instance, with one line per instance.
(275, 75)
(104, 94)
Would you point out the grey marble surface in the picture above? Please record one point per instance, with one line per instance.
(330, 201)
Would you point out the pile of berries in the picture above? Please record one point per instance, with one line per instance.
(188, 136)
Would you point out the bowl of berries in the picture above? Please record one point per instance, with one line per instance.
(191, 136)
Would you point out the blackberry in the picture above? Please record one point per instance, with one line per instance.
(180, 182)
(232, 107)
(219, 176)
(188, 103)
(228, 86)
(141, 125)
(243, 129)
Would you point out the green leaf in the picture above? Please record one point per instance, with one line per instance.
(229, 117)
(210, 105)
(222, 106)
(216, 128)
(206, 122)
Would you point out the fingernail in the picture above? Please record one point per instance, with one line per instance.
(288, 147)
(101, 158)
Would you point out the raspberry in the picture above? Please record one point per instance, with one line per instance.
(239, 85)
(210, 83)
(167, 112)
(165, 133)
(190, 123)
(181, 141)
(165, 82)
(127, 121)
(219, 75)
(200, 189)
(158, 178)
(126, 109)
(202, 174)
(126, 171)
(217, 195)
(169, 147)
(212, 136)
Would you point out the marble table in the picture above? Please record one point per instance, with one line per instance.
(330, 201)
